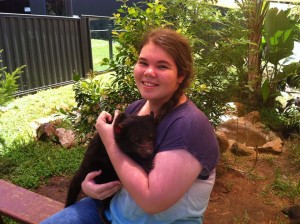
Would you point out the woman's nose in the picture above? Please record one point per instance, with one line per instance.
(149, 71)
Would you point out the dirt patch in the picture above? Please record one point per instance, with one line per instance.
(56, 188)
(242, 193)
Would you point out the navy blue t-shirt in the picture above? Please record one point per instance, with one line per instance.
(186, 127)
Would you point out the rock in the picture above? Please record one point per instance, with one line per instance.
(223, 141)
(45, 131)
(66, 137)
(253, 117)
(247, 130)
(240, 109)
(37, 124)
(273, 147)
(241, 149)
(243, 131)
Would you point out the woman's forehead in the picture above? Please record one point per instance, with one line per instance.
(151, 51)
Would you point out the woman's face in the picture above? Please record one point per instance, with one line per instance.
(156, 74)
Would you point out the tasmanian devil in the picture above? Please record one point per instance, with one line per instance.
(293, 213)
(134, 135)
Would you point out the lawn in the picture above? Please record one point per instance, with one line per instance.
(24, 160)
(100, 50)
(17, 118)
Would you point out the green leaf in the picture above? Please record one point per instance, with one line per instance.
(278, 36)
(76, 77)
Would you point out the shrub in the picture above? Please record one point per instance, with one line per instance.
(8, 83)
(88, 94)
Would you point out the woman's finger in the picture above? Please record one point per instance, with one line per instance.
(108, 189)
(104, 117)
(91, 176)
(116, 113)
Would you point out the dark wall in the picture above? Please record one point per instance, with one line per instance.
(38, 7)
(69, 7)
(14, 6)
(97, 7)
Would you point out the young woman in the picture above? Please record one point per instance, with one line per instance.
(178, 188)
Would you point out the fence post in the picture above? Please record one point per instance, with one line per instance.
(110, 40)
(86, 44)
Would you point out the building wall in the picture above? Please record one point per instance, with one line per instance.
(72, 7)
(14, 6)
(96, 7)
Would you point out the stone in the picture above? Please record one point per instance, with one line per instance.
(66, 137)
(241, 149)
(253, 117)
(240, 109)
(274, 147)
(45, 131)
(39, 125)
(223, 141)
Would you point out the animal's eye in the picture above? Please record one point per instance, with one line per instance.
(135, 138)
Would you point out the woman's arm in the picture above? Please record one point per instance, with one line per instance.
(173, 174)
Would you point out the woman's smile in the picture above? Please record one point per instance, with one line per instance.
(149, 84)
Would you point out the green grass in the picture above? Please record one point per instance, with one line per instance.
(24, 160)
(100, 50)
(285, 186)
(17, 121)
(31, 164)
(294, 151)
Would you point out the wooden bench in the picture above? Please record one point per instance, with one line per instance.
(25, 206)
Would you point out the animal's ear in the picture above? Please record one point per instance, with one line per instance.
(118, 129)
(121, 117)
(118, 123)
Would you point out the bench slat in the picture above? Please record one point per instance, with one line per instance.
(24, 205)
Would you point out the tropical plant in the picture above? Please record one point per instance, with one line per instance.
(254, 13)
(271, 41)
(271, 37)
(278, 44)
(8, 83)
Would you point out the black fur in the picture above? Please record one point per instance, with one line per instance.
(293, 213)
(135, 137)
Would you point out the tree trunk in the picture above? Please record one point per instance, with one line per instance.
(255, 11)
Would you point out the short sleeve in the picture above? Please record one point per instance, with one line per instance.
(188, 128)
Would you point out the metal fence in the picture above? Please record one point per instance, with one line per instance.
(52, 48)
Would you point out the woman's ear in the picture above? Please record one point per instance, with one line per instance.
(180, 79)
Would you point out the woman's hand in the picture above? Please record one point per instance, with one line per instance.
(99, 191)
(104, 129)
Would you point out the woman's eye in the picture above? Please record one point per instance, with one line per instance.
(142, 63)
(162, 67)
